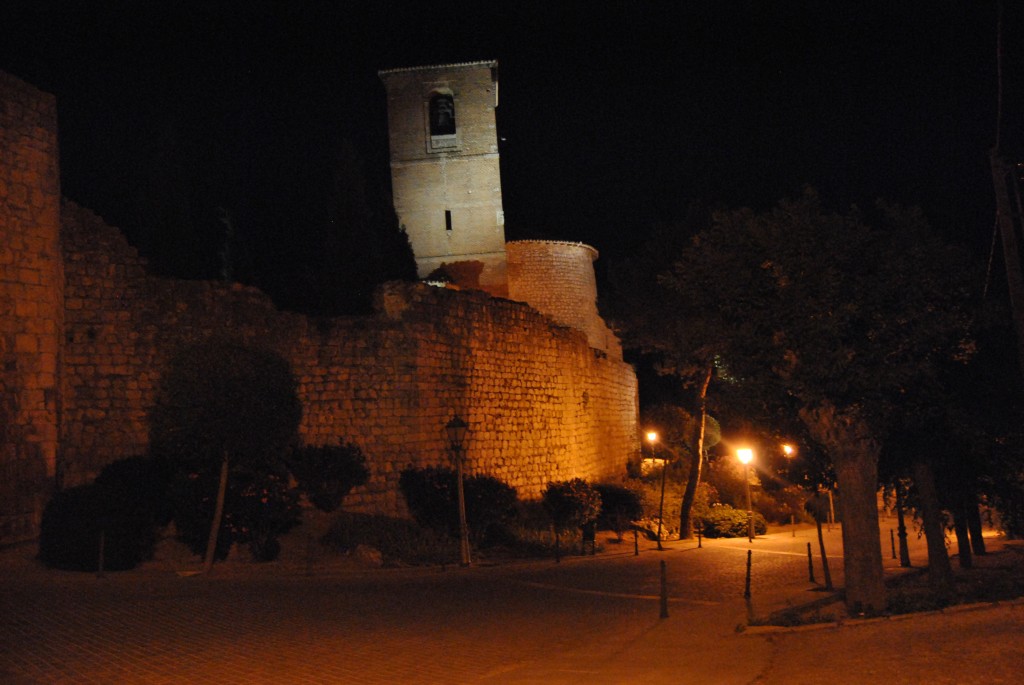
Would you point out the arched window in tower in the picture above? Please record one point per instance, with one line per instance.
(442, 115)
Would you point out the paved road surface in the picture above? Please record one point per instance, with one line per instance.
(586, 620)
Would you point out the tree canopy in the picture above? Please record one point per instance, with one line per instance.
(224, 397)
(823, 307)
(835, 319)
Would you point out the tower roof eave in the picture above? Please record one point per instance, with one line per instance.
(487, 63)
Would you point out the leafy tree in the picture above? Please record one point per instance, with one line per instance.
(690, 437)
(679, 344)
(430, 496)
(821, 316)
(223, 405)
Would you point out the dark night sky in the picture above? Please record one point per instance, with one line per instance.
(613, 115)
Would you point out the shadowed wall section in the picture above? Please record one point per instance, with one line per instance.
(31, 305)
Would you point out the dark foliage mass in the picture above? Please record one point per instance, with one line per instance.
(258, 508)
(222, 396)
(127, 503)
(222, 400)
(620, 506)
(571, 503)
(431, 496)
(327, 473)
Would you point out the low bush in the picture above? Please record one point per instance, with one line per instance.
(431, 494)
(127, 503)
(490, 507)
(327, 473)
(724, 521)
(398, 540)
(620, 507)
(571, 503)
(258, 508)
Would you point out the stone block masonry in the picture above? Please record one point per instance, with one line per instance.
(86, 334)
(31, 305)
(540, 403)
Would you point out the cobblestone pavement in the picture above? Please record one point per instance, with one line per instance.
(585, 620)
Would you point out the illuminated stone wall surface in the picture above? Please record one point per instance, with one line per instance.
(540, 403)
(557, 278)
(31, 312)
(85, 339)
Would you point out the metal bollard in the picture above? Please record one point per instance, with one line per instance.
(810, 563)
(636, 544)
(746, 591)
(101, 560)
(664, 592)
(892, 540)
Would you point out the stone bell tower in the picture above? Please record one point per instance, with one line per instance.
(444, 170)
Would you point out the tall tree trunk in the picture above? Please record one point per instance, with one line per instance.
(855, 456)
(901, 527)
(974, 526)
(940, 572)
(824, 557)
(218, 515)
(690, 494)
(963, 543)
(1001, 175)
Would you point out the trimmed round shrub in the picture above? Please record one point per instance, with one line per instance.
(724, 521)
(571, 503)
(328, 473)
(490, 507)
(431, 495)
(620, 507)
(127, 504)
(140, 485)
(69, 535)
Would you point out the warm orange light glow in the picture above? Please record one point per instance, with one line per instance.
(788, 450)
(745, 455)
(652, 437)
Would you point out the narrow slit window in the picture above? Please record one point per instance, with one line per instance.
(447, 219)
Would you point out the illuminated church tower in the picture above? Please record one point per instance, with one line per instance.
(444, 171)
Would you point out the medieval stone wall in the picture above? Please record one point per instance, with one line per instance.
(31, 304)
(557, 278)
(540, 403)
(86, 334)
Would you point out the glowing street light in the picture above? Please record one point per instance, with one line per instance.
(789, 451)
(652, 438)
(746, 455)
(456, 430)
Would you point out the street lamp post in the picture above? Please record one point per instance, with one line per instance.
(745, 456)
(789, 451)
(456, 430)
(652, 438)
